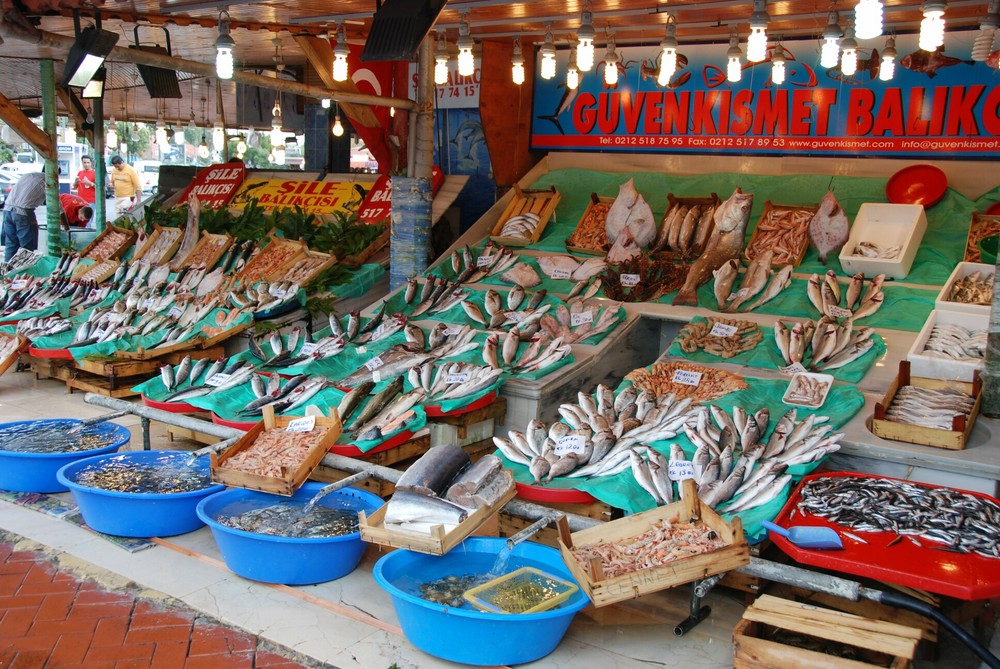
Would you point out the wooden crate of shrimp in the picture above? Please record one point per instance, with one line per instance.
(160, 246)
(653, 550)
(272, 260)
(784, 230)
(308, 267)
(981, 226)
(686, 226)
(207, 251)
(277, 454)
(525, 217)
(111, 243)
(590, 235)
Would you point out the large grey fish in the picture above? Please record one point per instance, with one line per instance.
(394, 361)
(376, 403)
(353, 398)
(408, 507)
(434, 470)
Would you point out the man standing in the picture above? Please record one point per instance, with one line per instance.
(76, 211)
(85, 184)
(20, 229)
(126, 184)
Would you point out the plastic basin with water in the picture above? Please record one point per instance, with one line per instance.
(286, 560)
(138, 514)
(36, 472)
(464, 634)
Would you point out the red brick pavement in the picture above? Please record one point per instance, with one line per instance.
(49, 619)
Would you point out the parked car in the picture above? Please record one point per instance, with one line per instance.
(149, 174)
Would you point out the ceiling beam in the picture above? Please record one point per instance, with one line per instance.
(23, 126)
(319, 53)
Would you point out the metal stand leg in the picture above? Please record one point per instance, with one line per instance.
(145, 432)
(698, 612)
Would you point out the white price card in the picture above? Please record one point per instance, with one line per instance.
(452, 331)
(374, 363)
(175, 311)
(308, 348)
(483, 261)
(217, 379)
(687, 377)
(793, 369)
(458, 377)
(581, 318)
(147, 303)
(305, 424)
(561, 274)
(834, 311)
(629, 280)
(678, 470)
(376, 376)
(18, 284)
(379, 331)
(723, 330)
(279, 293)
(362, 349)
(571, 443)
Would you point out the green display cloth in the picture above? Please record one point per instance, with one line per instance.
(449, 405)
(42, 267)
(60, 307)
(416, 422)
(943, 243)
(767, 356)
(362, 280)
(337, 366)
(227, 404)
(987, 199)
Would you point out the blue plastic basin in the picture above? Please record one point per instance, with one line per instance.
(127, 514)
(286, 560)
(468, 635)
(36, 472)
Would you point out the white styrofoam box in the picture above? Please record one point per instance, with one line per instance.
(962, 270)
(946, 369)
(900, 225)
(442, 433)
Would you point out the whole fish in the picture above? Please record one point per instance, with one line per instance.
(779, 281)
(377, 402)
(434, 470)
(391, 363)
(407, 507)
(725, 277)
(723, 245)
(829, 227)
(754, 280)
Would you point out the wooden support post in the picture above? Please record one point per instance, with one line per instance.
(100, 167)
(23, 126)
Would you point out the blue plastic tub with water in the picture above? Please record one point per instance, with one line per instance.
(286, 560)
(465, 634)
(147, 514)
(36, 472)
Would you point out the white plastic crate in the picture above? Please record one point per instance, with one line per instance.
(930, 367)
(900, 225)
(962, 270)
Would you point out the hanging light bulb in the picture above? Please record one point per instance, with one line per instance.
(241, 145)
(829, 55)
(69, 134)
(734, 69)
(848, 53)
(668, 58)
(572, 71)
(611, 62)
(392, 111)
(757, 41)
(466, 61)
(123, 147)
(868, 19)
(778, 66)
(586, 34)
(988, 24)
(441, 60)
(324, 103)
(548, 54)
(270, 157)
(203, 151)
(277, 134)
(218, 136)
(135, 132)
(338, 127)
(888, 67)
(179, 135)
(517, 63)
(224, 45)
(161, 132)
(340, 54)
(932, 27)
(111, 138)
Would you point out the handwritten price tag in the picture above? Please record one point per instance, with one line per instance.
(217, 379)
(723, 330)
(374, 363)
(308, 348)
(629, 280)
(678, 470)
(175, 311)
(305, 424)
(834, 311)
(571, 443)
(687, 377)
(452, 331)
(561, 274)
(459, 377)
(792, 369)
(18, 284)
(581, 318)
(280, 294)
(483, 261)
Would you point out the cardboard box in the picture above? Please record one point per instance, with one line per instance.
(946, 369)
(901, 225)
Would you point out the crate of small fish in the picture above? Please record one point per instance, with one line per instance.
(951, 346)
(160, 246)
(526, 216)
(272, 260)
(784, 230)
(278, 454)
(653, 550)
(11, 347)
(207, 251)
(111, 243)
(924, 411)
(982, 225)
(308, 267)
(969, 289)
(590, 235)
(686, 226)
(884, 239)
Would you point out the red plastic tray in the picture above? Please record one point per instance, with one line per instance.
(172, 407)
(534, 493)
(392, 442)
(917, 184)
(235, 424)
(434, 411)
(964, 576)
(52, 353)
(994, 209)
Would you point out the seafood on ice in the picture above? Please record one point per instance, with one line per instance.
(630, 212)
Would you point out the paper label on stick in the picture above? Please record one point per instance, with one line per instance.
(629, 280)
(723, 330)
(687, 377)
(483, 261)
(459, 377)
(838, 312)
(679, 470)
(792, 369)
(217, 379)
(561, 274)
(308, 348)
(175, 311)
(305, 424)
(374, 363)
(18, 284)
(571, 443)
(581, 318)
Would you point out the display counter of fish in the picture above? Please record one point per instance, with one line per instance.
(539, 354)
(757, 276)
(824, 345)
(928, 407)
(719, 336)
(567, 267)
(784, 232)
(21, 260)
(872, 250)
(443, 487)
(972, 289)
(955, 343)
(579, 321)
(597, 435)
(859, 300)
(264, 296)
(685, 228)
(37, 327)
(203, 377)
(437, 291)
(685, 379)
(451, 380)
(963, 522)
(442, 343)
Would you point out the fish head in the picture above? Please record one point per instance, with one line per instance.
(734, 212)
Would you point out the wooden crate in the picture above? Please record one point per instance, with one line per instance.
(539, 202)
(272, 260)
(101, 270)
(290, 480)
(771, 210)
(953, 439)
(438, 542)
(159, 232)
(314, 263)
(603, 591)
(356, 260)
(981, 226)
(573, 243)
(22, 345)
(756, 642)
(207, 251)
(116, 251)
(688, 201)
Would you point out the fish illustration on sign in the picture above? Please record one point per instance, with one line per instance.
(565, 102)
(930, 62)
(466, 140)
(869, 66)
(798, 72)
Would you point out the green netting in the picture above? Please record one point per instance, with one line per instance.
(362, 280)
(42, 267)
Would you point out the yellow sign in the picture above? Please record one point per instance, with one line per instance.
(314, 197)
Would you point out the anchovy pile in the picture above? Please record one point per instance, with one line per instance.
(861, 301)
(965, 523)
(36, 327)
(539, 354)
(928, 407)
(598, 435)
(955, 343)
(452, 380)
(823, 345)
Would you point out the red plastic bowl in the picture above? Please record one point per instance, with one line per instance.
(353, 451)
(434, 411)
(917, 184)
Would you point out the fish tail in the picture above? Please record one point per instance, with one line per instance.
(555, 121)
(686, 296)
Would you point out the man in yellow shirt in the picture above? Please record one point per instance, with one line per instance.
(127, 187)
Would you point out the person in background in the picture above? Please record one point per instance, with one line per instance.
(125, 181)
(75, 211)
(20, 229)
(85, 184)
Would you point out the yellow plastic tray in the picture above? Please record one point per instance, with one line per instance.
(526, 590)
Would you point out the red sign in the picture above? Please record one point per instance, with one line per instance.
(377, 206)
(215, 184)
